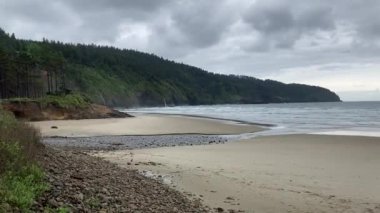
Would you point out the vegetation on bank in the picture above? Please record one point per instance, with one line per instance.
(21, 179)
(113, 76)
(65, 101)
(59, 107)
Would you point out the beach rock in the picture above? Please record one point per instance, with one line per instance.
(219, 209)
(89, 184)
(79, 197)
(105, 191)
(53, 203)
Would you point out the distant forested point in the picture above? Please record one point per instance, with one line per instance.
(120, 77)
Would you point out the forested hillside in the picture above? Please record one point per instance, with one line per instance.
(129, 78)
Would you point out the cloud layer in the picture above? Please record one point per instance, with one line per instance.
(320, 42)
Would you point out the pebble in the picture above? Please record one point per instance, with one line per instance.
(79, 197)
(89, 184)
(53, 203)
(130, 142)
(219, 209)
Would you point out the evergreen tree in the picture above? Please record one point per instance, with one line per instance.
(128, 77)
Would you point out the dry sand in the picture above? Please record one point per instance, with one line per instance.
(295, 173)
(142, 125)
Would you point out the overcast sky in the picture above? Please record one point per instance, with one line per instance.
(330, 43)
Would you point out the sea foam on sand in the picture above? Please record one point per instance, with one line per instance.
(350, 133)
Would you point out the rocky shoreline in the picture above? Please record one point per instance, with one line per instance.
(130, 142)
(82, 183)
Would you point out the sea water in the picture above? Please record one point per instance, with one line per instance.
(340, 118)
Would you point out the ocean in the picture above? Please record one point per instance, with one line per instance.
(338, 118)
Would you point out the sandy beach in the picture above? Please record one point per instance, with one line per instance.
(288, 173)
(294, 173)
(142, 125)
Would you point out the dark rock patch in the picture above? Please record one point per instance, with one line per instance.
(82, 183)
(130, 142)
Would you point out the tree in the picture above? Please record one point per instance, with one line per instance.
(128, 77)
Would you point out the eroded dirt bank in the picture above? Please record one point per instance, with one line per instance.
(33, 111)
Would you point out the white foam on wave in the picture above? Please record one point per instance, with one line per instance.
(349, 133)
(347, 118)
(166, 179)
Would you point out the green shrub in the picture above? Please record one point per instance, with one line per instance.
(19, 142)
(93, 202)
(7, 121)
(21, 180)
(63, 210)
(20, 189)
(74, 100)
(10, 157)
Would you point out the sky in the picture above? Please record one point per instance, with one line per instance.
(329, 43)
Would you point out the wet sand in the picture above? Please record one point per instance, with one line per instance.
(143, 125)
(294, 173)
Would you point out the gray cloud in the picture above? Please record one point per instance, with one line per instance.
(189, 26)
(125, 5)
(282, 23)
(77, 21)
(264, 38)
(202, 22)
